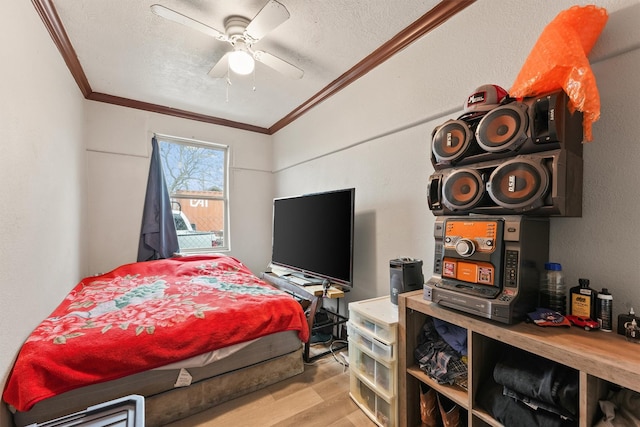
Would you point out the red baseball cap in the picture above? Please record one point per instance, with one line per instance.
(485, 98)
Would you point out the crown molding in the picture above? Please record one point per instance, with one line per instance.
(432, 19)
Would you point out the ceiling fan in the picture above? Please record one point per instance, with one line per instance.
(242, 34)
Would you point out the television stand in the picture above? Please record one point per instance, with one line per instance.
(315, 295)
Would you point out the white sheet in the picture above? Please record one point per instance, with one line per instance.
(206, 358)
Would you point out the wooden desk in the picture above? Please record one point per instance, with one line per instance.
(314, 294)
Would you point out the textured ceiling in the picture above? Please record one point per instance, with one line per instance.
(127, 51)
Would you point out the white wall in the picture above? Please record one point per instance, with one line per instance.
(118, 151)
(43, 176)
(375, 136)
(60, 222)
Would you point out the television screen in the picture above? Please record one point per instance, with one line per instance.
(313, 235)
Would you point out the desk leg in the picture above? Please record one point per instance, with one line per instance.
(310, 320)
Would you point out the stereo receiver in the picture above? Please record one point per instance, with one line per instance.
(488, 265)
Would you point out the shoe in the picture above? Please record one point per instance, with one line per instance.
(320, 338)
(428, 407)
(449, 411)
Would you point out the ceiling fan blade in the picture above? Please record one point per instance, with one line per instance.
(174, 16)
(269, 17)
(278, 64)
(221, 68)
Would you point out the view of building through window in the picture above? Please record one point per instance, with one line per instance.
(196, 173)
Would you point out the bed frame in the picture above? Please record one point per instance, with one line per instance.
(176, 404)
(258, 365)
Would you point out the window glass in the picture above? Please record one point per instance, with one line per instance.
(196, 177)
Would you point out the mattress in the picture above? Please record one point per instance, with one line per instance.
(145, 315)
(153, 382)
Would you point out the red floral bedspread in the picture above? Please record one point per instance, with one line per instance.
(145, 315)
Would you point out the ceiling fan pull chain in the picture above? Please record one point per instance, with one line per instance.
(228, 82)
(254, 79)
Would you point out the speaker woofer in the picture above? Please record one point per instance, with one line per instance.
(503, 128)
(519, 184)
(451, 140)
(462, 189)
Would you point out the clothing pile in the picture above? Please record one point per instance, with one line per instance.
(442, 352)
(620, 409)
(528, 390)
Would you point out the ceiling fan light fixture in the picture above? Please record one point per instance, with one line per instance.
(241, 62)
(242, 34)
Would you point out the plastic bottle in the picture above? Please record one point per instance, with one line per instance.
(553, 292)
(605, 310)
(583, 300)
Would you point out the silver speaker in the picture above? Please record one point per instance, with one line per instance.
(531, 125)
(541, 184)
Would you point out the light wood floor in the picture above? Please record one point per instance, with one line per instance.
(319, 397)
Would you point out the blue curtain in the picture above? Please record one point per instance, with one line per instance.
(158, 237)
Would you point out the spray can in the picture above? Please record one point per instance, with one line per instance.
(605, 310)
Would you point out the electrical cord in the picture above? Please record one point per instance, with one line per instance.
(345, 361)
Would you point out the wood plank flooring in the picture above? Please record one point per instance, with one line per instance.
(319, 397)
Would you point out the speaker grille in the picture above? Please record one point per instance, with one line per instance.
(503, 128)
(519, 184)
(451, 140)
(462, 189)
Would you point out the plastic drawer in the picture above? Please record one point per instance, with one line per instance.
(382, 410)
(377, 316)
(381, 375)
(379, 349)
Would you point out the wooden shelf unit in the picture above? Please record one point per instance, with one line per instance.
(602, 359)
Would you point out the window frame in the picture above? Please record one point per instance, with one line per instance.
(226, 238)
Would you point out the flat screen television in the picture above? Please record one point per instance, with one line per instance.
(313, 236)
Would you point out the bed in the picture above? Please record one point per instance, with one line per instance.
(187, 333)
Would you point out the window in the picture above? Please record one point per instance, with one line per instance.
(196, 177)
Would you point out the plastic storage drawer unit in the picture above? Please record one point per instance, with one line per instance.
(372, 330)
(123, 412)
